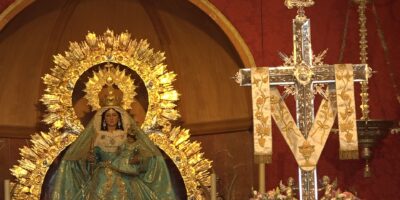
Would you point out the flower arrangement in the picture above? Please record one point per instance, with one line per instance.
(286, 192)
(339, 195)
(276, 194)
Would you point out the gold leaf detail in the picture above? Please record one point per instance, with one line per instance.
(306, 149)
(261, 141)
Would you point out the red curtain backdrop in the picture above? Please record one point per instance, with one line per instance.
(265, 26)
(4, 4)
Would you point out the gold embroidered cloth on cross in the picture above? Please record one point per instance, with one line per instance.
(267, 101)
(261, 115)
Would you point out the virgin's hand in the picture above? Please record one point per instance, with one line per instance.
(91, 157)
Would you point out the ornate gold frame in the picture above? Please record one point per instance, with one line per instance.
(64, 124)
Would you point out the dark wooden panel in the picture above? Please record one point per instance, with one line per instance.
(9, 154)
(16, 132)
(232, 155)
(218, 127)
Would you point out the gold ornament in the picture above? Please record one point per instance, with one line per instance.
(65, 125)
(136, 55)
(362, 20)
(188, 157)
(110, 98)
(298, 3)
(303, 74)
(36, 160)
(110, 76)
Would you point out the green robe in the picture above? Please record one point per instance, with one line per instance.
(112, 175)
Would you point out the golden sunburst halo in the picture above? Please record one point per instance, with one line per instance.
(35, 161)
(136, 55)
(81, 57)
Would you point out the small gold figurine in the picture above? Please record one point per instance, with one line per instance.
(328, 187)
(289, 189)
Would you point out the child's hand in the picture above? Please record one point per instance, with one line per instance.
(135, 160)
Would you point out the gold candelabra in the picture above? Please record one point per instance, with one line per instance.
(369, 131)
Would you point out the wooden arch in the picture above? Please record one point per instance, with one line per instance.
(241, 47)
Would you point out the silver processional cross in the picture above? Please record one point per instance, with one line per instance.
(303, 74)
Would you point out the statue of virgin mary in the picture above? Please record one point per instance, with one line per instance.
(109, 156)
(112, 159)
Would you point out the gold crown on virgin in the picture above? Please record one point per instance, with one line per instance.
(110, 98)
(110, 86)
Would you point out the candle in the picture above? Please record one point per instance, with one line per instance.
(261, 178)
(213, 186)
(6, 189)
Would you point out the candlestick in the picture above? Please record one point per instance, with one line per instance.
(213, 186)
(6, 189)
(261, 178)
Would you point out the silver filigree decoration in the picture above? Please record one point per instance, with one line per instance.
(287, 60)
(303, 74)
(320, 89)
(289, 90)
(238, 77)
(319, 60)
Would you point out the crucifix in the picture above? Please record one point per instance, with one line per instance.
(302, 71)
